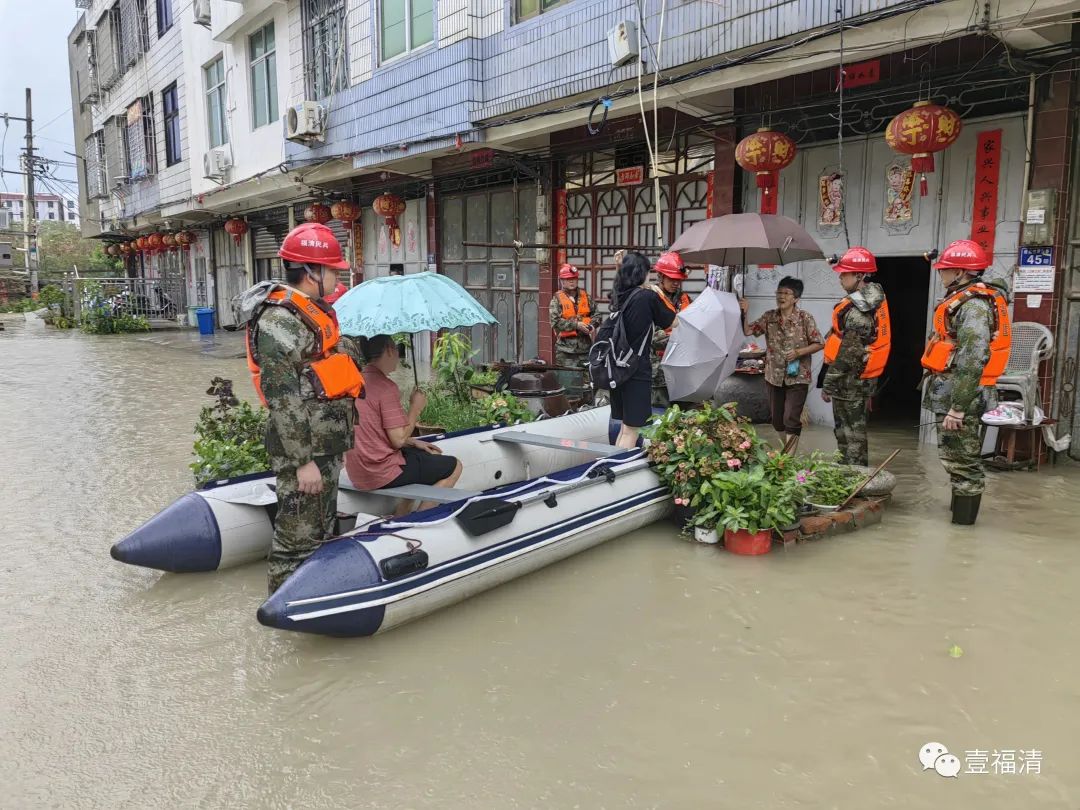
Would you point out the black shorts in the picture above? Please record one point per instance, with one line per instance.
(631, 403)
(421, 467)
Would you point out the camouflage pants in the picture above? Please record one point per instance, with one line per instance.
(303, 522)
(572, 381)
(571, 360)
(849, 427)
(961, 455)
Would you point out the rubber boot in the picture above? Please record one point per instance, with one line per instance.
(965, 509)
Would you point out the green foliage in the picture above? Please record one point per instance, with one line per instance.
(49, 295)
(228, 437)
(98, 317)
(24, 305)
(747, 499)
(504, 408)
(828, 483)
(59, 320)
(62, 247)
(450, 362)
(446, 411)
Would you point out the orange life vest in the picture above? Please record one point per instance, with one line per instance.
(582, 310)
(877, 352)
(684, 302)
(333, 375)
(939, 351)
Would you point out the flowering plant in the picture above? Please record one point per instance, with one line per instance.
(504, 408)
(748, 499)
(689, 447)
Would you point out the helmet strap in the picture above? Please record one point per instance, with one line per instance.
(319, 278)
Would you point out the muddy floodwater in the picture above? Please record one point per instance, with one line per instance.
(648, 672)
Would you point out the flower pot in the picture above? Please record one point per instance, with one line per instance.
(682, 514)
(740, 541)
(428, 430)
(703, 535)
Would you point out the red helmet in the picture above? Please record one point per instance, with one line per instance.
(568, 271)
(671, 265)
(312, 243)
(339, 291)
(856, 260)
(963, 254)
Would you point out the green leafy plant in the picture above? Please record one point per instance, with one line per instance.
(748, 500)
(102, 321)
(689, 447)
(504, 408)
(450, 362)
(828, 482)
(228, 436)
(446, 411)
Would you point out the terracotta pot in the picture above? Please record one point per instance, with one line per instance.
(741, 541)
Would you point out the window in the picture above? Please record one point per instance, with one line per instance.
(170, 116)
(52, 204)
(261, 51)
(94, 164)
(530, 8)
(164, 16)
(405, 24)
(134, 31)
(52, 215)
(325, 48)
(139, 141)
(70, 203)
(214, 80)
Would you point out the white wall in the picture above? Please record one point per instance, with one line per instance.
(934, 222)
(253, 150)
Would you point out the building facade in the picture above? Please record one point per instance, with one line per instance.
(49, 207)
(580, 127)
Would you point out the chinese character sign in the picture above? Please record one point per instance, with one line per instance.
(985, 201)
(830, 199)
(561, 217)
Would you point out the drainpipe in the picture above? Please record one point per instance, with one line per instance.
(1029, 140)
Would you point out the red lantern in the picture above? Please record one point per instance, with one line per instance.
(168, 241)
(237, 228)
(317, 212)
(184, 239)
(154, 242)
(124, 248)
(924, 129)
(765, 153)
(346, 211)
(140, 244)
(390, 207)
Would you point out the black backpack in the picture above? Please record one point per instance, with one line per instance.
(612, 360)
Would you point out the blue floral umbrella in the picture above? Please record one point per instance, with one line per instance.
(420, 302)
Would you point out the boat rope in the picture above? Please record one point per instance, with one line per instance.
(528, 485)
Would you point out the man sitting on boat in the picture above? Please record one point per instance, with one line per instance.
(384, 454)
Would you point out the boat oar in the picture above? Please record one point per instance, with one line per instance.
(869, 478)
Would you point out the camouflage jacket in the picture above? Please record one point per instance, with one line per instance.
(300, 426)
(579, 344)
(958, 387)
(842, 379)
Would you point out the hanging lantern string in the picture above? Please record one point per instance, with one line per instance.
(840, 130)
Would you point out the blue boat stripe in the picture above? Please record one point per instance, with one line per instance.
(455, 569)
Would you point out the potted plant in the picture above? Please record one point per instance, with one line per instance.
(828, 483)
(748, 504)
(688, 448)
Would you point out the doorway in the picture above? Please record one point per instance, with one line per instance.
(906, 281)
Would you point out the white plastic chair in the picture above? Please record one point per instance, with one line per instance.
(1032, 343)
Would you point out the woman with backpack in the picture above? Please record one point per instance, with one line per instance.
(639, 310)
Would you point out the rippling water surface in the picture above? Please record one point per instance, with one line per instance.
(649, 672)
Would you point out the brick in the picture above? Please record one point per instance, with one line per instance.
(815, 524)
(844, 516)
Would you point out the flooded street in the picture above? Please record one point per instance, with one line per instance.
(649, 672)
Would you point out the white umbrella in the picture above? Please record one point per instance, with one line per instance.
(704, 346)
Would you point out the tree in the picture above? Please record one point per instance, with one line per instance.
(61, 247)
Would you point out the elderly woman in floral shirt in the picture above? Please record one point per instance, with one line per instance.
(792, 337)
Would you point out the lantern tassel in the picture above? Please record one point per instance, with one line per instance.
(924, 188)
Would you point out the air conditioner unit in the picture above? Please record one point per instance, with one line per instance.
(202, 12)
(304, 122)
(216, 163)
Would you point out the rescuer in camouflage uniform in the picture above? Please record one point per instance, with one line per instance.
(306, 437)
(956, 395)
(847, 354)
(670, 273)
(573, 334)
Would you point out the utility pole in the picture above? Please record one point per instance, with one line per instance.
(29, 202)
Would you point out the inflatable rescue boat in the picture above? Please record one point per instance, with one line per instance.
(230, 522)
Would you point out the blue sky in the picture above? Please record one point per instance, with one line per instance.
(34, 55)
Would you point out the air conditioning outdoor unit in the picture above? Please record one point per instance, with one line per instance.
(216, 163)
(202, 12)
(304, 122)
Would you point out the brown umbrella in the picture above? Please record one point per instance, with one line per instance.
(741, 239)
